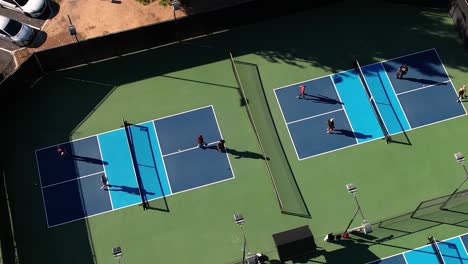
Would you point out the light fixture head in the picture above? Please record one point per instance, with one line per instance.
(351, 188)
(239, 219)
(459, 157)
(116, 252)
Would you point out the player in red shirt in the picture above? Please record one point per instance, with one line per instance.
(301, 92)
(201, 142)
(61, 151)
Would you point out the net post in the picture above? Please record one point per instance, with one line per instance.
(436, 249)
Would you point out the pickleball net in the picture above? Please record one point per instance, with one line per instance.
(358, 68)
(144, 201)
(436, 249)
(253, 97)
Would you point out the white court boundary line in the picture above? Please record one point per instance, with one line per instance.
(314, 116)
(349, 122)
(396, 95)
(74, 179)
(416, 249)
(308, 80)
(381, 62)
(105, 173)
(424, 87)
(219, 130)
(456, 92)
(144, 50)
(185, 150)
(287, 127)
(42, 190)
(162, 158)
(162, 197)
(120, 128)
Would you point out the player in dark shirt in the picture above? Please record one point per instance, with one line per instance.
(402, 71)
(220, 146)
(331, 125)
(201, 142)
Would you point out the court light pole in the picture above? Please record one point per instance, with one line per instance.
(175, 7)
(239, 220)
(460, 159)
(117, 253)
(353, 191)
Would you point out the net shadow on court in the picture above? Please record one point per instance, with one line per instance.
(160, 204)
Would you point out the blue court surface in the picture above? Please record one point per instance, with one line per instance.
(146, 161)
(423, 97)
(453, 251)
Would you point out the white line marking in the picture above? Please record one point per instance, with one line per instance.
(120, 128)
(333, 150)
(398, 100)
(399, 57)
(463, 244)
(74, 179)
(184, 112)
(414, 53)
(93, 82)
(66, 142)
(440, 121)
(344, 108)
(105, 173)
(137, 203)
(219, 130)
(201, 186)
(143, 50)
(314, 116)
(456, 92)
(185, 150)
(420, 88)
(163, 161)
(404, 257)
(415, 249)
(287, 127)
(42, 191)
(324, 76)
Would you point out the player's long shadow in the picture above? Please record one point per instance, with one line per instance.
(127, 189)
(349, 133)
(147, 204)
(241, 154)
(88, 159)
(321, 99)
(423, 81)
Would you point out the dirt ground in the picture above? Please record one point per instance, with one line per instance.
(94, 18)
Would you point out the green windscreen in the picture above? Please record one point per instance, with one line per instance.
(287, 191)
